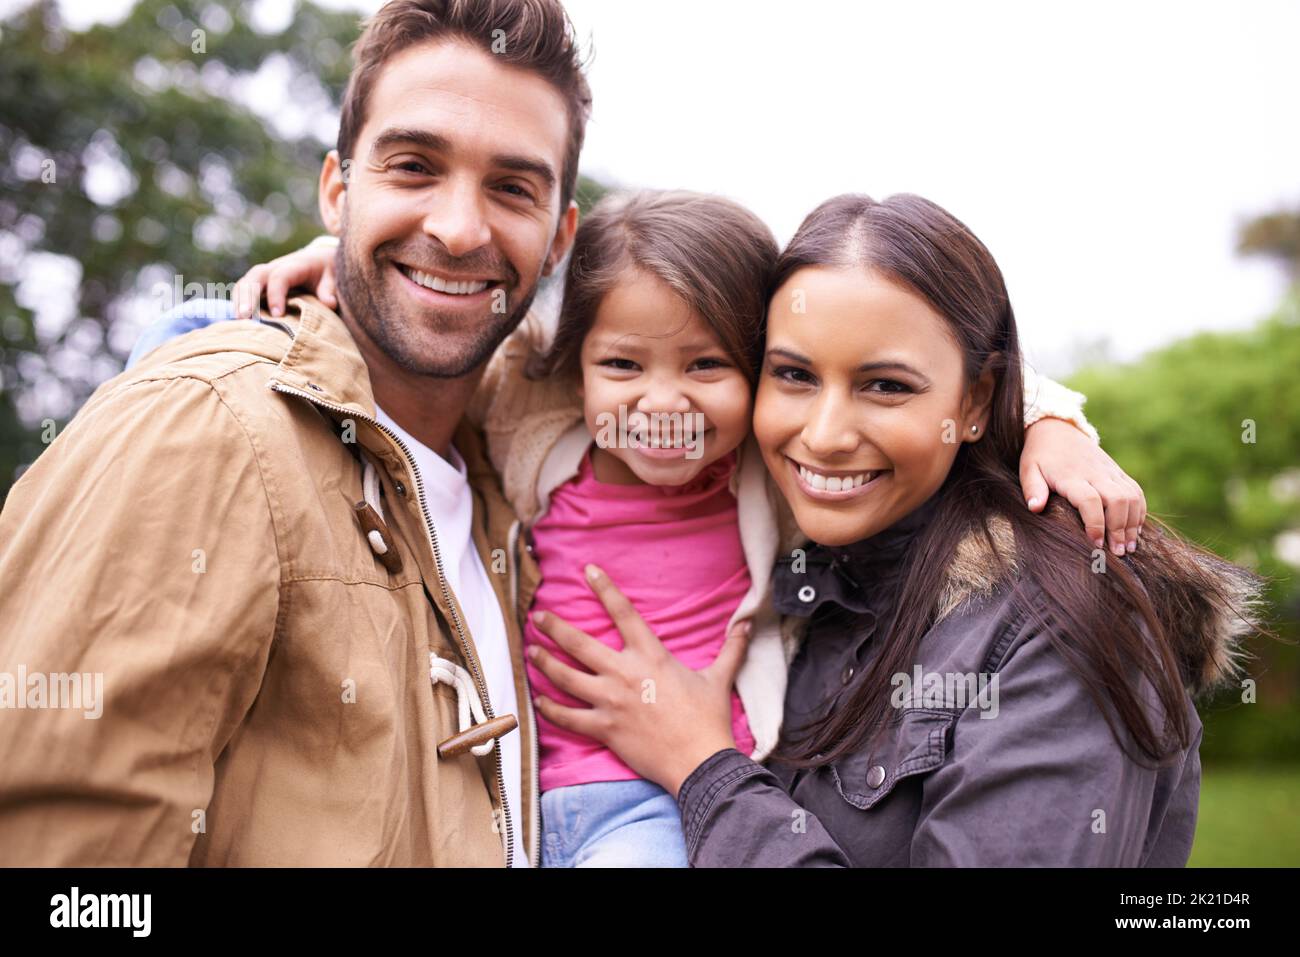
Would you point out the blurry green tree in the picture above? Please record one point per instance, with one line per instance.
(1210, 427)
(170, 151)
(1277, 236)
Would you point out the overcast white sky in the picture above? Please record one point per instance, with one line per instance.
(1105, 152)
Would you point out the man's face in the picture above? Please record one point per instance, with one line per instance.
(448, 211)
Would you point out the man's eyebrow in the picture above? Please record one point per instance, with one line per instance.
(395, 136)
(437, 143)
(526, 164)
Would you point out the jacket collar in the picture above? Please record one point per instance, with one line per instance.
(324, 363)
(323, 359)
(859, 577)
(864, 575)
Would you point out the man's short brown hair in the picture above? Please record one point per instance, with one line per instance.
(534, 35)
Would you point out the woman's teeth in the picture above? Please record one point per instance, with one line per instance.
(834, 483)
(442, 285)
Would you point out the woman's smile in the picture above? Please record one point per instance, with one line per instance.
(835, 485)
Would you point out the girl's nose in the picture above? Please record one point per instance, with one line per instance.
(664, 395)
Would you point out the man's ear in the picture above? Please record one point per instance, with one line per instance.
(978, 400)
(332, 193)
(563, 240)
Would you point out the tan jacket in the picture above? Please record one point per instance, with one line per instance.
(537, 437)
(191, 537)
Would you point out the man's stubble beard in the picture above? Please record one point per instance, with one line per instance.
(358, 299)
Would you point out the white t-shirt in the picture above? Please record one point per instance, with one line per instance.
(451, 508)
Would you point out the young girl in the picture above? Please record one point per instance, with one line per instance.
(623, 442)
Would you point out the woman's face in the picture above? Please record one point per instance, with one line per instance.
(862, 402)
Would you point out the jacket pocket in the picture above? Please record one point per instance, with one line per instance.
(915, 745)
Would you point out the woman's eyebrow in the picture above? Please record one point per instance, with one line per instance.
(792, 356)
(892, 364)
(865, 367)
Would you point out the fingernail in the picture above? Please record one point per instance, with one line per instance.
(1132, 547)
(1118, 548)
(539, 617)
(1100, 543)
(593, 573)
(1033, 502)
(276, 311)
(533, 652)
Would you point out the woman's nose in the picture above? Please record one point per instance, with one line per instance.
(831, 429)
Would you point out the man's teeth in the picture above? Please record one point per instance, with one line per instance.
(834, 483)
(442, 285)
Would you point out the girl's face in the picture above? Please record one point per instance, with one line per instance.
(862, 401)
(661, 397)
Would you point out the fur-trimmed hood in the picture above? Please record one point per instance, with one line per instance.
(1214, 631)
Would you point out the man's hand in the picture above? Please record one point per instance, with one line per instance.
(1060, 458)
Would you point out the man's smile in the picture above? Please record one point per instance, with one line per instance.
(444, 289)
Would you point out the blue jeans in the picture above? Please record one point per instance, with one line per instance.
(611, 824)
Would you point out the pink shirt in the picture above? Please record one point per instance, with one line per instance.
(674, 551)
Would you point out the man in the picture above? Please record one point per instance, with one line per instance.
(268, 537)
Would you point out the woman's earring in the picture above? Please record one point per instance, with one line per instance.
(974, 430)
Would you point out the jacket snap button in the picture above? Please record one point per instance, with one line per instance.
(399, 488)
(807, 593)
(848, 673)
(876, 776)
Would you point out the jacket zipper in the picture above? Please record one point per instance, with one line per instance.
(442, 581)
(535, 845)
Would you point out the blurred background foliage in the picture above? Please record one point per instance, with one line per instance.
(140, 158)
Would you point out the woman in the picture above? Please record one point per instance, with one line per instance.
(978, 685)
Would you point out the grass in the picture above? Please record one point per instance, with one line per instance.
(1249, 817)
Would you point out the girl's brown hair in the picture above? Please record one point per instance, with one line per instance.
(1143, 624)
(713, 253)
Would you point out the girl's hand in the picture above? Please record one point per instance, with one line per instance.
(659, 716)
(311, 267)
(1060, 458)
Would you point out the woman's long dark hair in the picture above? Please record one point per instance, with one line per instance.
(1126, 632)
